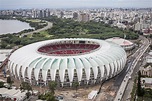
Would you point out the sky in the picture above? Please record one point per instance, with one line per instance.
(24, 4)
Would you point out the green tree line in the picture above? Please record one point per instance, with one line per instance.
(67, 28)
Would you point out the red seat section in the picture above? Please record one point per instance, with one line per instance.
(67, 48)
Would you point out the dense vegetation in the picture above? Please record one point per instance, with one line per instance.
(49, 96)
(150, 46)
(66, 28)
(144, 94)
(134, 89)
(147, 96)
(33, 23)
(1, 84)
(140, 90)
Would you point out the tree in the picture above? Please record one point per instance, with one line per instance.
(3, 45)
(143, 81)
(9, 81)
(47, 96)
(139, 84)
(137, 42)
(76, 84)
(52, 86)
(25, 86)
(1, 97)
(140, 90)
(150, 36)
(1, 84)
(150, 47)
(50, 97)
(28, 94)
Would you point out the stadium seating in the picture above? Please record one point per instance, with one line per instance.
(67, 48)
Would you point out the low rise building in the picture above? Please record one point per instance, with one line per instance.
(4, 53)
(14, 94)
(146, 82)
(126, 44)
(146, 71)
(147, 31)
(149, 57)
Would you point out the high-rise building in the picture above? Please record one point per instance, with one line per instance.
(75, 15)
(84, 17)
(41, 14)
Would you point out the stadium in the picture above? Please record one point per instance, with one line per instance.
(87, 61)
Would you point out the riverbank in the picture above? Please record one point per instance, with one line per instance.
(34, 24)
(13, 26)
(49, 25)
(25, 37)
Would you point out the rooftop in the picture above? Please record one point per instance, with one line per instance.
(147, 80)
(120, 41)
(4, 53)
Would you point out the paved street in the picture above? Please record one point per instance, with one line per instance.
(137, 55)
(36, 31)
(129, 87)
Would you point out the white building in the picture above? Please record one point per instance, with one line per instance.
(4, 53)
(84, 17)
(126, 44)
(87, 61)
(146, 82)
(149, 57)
(146, 71)
(13, 94)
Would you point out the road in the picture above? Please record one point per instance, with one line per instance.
(121, 76)
(36, 31)
(127, 95)
(129, 87)
(130, 69)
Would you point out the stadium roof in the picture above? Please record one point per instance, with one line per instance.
(120, 41)
(29, 56)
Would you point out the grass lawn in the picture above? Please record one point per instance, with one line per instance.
(34, 20)
(45, 33)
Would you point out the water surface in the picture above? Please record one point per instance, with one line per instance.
(13, 26)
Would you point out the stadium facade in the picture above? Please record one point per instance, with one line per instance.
(126, 44)
(87, 61)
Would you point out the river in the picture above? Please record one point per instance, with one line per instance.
(13, 26)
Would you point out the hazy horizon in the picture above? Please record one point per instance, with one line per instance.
(28, 4)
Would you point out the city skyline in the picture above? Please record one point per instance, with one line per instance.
(18, 4)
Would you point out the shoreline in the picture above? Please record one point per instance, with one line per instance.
(49, 25)
(28, 27)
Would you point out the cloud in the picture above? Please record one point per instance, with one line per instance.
(11, 4)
